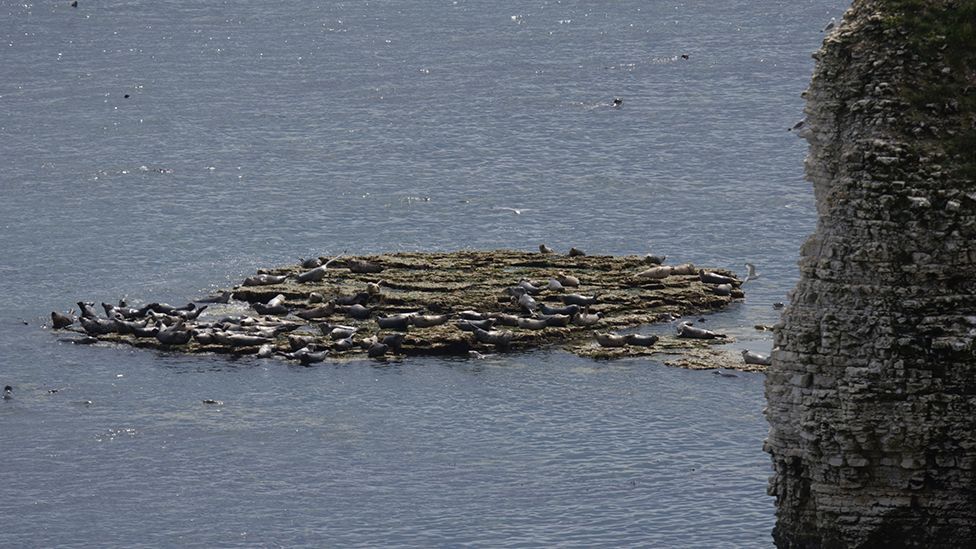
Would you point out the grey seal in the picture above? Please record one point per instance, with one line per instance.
(315, 297)
(241, 340)
(586, 319)
(377, 350)
(472, 325)
(312, 357)
(576, 252)
(683, 269)
(714, 278)
(532, 323)
(360, 298)
(275, 306)
(311, 262)
(529, 287)
(344, 344)
(223, 297)
(98, 326)
(264, 280)
(498, 338)
(394, 342)
(399, 323)
(554, 285)
(722, 289)
(60, 321)
(468, 314)
(357, 311)
(265, 351)
(362, 266)
(655, 259)
(567, 310)
(87, 309)
(296, 342)
(581, 300)
(543, 249)
(610, 340)
(428, 321)
(641, 340)
(557, 320)
(315, 275)
(756, 358)
(569, 281)
(656, 273)
(174, 335)
(686, 330)
(527, 302)
(505, 319)
(317, 312)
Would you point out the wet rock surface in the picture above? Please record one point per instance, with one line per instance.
(436, 304)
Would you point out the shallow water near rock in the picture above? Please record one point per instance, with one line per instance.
(253, 134)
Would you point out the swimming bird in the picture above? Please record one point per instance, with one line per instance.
(8, 392)
(798, 125)
(830, 25)
(617, 102)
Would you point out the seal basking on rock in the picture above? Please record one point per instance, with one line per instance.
(756, 358)
(686, 330)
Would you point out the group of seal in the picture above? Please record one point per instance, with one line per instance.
(297, 316)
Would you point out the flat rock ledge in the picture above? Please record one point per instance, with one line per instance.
(416, 283)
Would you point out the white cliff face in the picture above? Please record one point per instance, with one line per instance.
(872, 392)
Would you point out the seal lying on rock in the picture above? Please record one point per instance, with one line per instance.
(428, 321)
(610, 340)
(714, 278)
(275, 307)
(264, 280)
(641, 340)
(755, 358)
(59, 321)
(686, 330)
(499, 338)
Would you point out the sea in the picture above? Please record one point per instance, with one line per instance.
(159, 150)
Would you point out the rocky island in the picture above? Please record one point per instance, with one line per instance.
(451, 303)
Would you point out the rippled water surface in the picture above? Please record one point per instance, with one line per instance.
(160, 149)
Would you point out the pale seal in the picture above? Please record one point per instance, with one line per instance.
(275, 307)
(472, 325)
(610, 340)
(756, 358)
(686, 330)
(655, 273)
(505, 319)
(641, 340)
(315, 275)
(586, 319)
(263, 280)
(428, 321)
(569, 281)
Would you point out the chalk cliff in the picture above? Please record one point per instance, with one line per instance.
(872, 392)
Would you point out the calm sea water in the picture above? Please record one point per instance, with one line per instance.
(160, 149)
